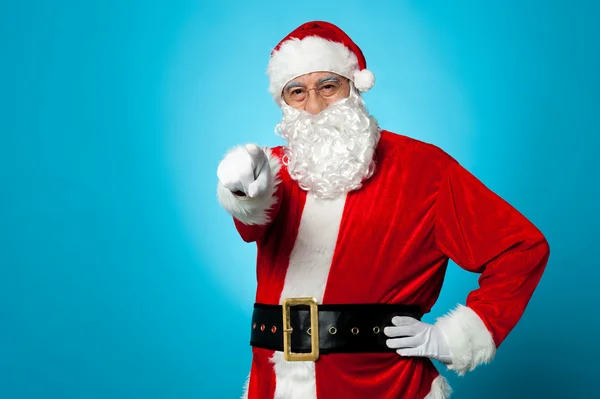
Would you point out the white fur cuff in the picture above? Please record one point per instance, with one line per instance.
(252, 211)
(440, 389)
(468, 338)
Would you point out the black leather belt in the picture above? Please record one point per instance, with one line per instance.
(342, 328)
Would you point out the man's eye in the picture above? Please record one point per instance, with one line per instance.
(328, 89)
(297, 94)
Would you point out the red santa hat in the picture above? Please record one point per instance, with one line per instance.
(314, 47)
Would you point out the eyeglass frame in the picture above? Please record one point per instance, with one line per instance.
(285, 97)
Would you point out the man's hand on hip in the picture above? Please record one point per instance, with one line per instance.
(411, 337)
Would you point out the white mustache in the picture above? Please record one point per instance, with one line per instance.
(330, 153)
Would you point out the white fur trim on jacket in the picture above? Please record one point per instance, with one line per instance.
(297, 57)
(246, 387)
(252, 211)
(440, 389)
(469, 340)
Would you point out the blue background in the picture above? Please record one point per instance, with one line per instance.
(121, 277)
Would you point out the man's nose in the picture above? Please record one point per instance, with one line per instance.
(314, 103)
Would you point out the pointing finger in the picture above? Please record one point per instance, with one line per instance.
(261, 183)
(257, 157)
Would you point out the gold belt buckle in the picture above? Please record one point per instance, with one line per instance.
(287, 330)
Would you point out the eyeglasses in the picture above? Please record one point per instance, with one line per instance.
(327, 90)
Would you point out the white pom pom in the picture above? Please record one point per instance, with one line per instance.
(364, 80)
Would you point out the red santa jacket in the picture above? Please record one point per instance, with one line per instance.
(389, 242)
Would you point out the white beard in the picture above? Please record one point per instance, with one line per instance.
(331, 153)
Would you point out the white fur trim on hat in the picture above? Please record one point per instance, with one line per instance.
(297, 57)
(364, 80)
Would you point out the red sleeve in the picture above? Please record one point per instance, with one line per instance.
(254, 232)
(483, 233)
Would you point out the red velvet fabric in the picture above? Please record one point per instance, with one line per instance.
(420, 209)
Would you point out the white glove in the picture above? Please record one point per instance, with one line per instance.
(245, 169)
(418, 339)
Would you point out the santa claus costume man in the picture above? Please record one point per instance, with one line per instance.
(354, 227)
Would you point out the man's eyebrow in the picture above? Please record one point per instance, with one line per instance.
(328, 78)
(292, 85)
